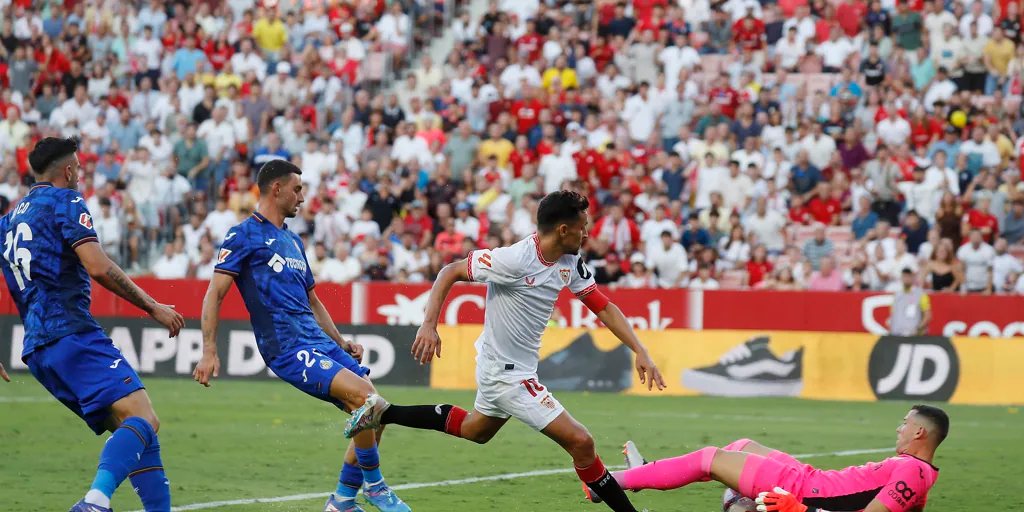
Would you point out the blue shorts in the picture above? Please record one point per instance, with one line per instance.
(87, 373)
(311, 368)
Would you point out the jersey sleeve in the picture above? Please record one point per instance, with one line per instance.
(233, 253)
(582, 282)
(74, 219)
(499, 266)
(906, 489)
(583, 286)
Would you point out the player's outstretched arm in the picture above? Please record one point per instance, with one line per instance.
(111, 277)
(3, 373)
(428, 343)
(616, 322)
(209, 364)
(323, 319)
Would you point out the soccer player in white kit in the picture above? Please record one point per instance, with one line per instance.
(524, 281)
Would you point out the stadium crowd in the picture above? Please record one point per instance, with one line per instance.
(821, 145)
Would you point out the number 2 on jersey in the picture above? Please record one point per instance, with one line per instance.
(21, 264)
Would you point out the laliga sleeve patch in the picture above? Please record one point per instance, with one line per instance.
(582, 269)
(85, 220)
(224, 253)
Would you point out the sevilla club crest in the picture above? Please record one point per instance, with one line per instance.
(564, 272)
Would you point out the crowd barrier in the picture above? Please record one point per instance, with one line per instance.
(370, 303)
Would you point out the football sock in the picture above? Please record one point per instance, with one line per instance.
(119, 457)
(150, 481)
(369, 462)
(350, 481)
(668, 474)
(602, 484)
(442, 418)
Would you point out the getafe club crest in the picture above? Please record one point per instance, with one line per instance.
(564, 272)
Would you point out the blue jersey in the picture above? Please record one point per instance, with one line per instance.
(270, 269)
(44, 275)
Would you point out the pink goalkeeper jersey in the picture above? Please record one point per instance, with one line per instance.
(901, 483)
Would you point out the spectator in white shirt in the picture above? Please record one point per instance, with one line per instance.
(202, 266)
(769, 226)
(330, 225)
(922, 196)
(173, 264)
(652, 228)
(737, 189)
(193, 233)
(835, 51)
(220, 221)
(703, 280)
(639, 276)
(976, 16)
(790, 51)
(639, 115)
(108, 230)
(941, 176)
(341, 268)
(556, 169)
(465, 222)
(893, 130)
(365, 226)
(667, 259)
(977, 258)
(1004, 265)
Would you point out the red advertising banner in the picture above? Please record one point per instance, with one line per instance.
(953, 315)
(403, 304)
(376, 303)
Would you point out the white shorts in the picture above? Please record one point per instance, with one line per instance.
(525, 399)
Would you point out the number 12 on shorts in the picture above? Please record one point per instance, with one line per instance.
(532, 386)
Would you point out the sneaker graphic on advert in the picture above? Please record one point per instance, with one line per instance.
(750, 369)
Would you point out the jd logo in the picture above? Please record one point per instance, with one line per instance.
(916, 367)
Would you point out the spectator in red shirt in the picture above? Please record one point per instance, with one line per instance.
(851, 14)
(924, 129)
(748, 32)
(758, 267)
(419, 224)
(617, 229)
(521, 156)
(531, 42)
(527, 111)
(724, 96)
(449, 241)
(981, 218)
(824, 207)
(798, 212)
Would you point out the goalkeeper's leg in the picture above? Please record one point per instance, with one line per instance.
(749, 446)
(748, 473)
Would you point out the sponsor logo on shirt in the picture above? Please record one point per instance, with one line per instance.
(902, 493)
(278, 263)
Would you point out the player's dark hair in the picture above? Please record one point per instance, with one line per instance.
(561, 207)
(49, 151)
(936, 417)
(273, 171)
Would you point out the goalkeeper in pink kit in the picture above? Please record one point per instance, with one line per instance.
(783, 484)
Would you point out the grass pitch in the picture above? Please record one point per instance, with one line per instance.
(244, 440)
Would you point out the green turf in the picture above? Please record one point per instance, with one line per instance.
(245, 440)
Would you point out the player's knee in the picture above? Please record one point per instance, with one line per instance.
(478, 437)
(737, 445)
(582, 444)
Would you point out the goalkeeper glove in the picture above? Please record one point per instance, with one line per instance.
(779, 500)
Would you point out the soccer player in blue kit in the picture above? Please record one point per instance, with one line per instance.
(294, 332)
(50, 252)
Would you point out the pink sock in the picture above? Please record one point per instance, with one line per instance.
(668, 474)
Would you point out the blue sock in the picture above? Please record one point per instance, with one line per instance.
(369, 462)
(150, 481)
(121, 454)
(350, 481)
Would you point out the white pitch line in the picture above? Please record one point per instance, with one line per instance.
(463, 481)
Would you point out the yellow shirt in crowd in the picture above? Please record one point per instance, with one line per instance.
(567, 76)
(1000, 54)
(270, 35)
(500, 148)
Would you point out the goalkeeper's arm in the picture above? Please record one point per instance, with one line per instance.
(779, 500)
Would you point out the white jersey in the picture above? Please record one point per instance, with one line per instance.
(521, 292)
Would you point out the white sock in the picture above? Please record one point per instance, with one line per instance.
(94, 497)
